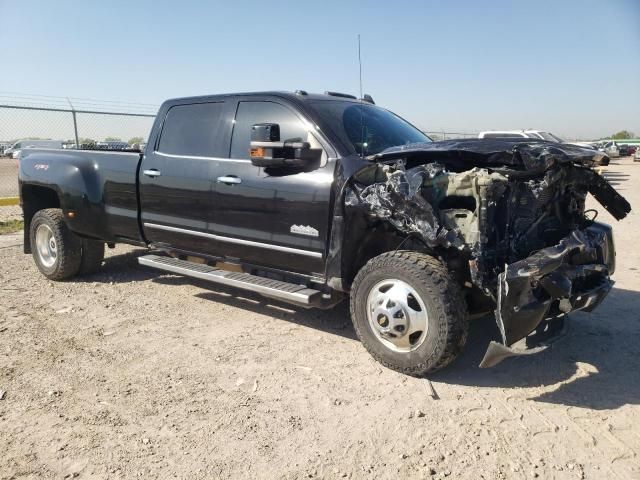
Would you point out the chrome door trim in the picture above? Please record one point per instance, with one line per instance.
(238, 241)
(194, 157)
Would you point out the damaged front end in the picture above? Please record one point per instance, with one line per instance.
(509, 219)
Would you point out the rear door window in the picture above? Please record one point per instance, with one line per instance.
(193, 130)
(250, 113)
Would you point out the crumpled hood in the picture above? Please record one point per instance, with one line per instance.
(519, 154)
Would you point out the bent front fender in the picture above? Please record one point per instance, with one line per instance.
(572, 275)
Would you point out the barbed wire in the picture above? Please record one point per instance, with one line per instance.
(79, 103)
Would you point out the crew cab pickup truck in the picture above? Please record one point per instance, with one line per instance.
(312, 199)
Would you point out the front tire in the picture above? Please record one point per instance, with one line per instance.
(57, 251)
(408, 312)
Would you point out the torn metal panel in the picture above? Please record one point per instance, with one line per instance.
(605, 194)
(544, 336)
(442, 208)
(572, 275)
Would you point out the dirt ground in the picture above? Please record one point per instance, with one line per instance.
(131, 373)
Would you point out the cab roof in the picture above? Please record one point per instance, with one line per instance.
(297, 96)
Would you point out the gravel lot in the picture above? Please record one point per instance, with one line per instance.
(132, 373)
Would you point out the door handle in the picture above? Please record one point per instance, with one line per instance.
(153, 172)
(229, 180)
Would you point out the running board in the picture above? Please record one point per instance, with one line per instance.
(289, 292)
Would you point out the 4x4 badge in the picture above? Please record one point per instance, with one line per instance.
(304, 230)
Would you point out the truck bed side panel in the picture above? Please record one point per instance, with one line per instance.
(100, 187)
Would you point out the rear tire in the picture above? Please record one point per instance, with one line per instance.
(408, 312)
(57, 251)
(92, 256)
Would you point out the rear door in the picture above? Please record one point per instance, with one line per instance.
(278, 219)
(176, 176)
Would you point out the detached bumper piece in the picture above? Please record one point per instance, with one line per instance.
(545, 334)
(536, 292)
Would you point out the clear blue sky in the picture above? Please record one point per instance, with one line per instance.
(571, 66)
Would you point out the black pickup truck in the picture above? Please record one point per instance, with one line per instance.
(312, 198)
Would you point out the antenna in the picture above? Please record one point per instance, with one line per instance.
(360, 65)
(362, 134)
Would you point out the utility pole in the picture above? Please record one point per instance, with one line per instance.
(75, 124)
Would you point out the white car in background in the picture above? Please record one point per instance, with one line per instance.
(16, 149)
(537, 134)
(611, 149)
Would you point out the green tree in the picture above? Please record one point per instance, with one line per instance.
(135, 140)
(112, 139)
(622, 135)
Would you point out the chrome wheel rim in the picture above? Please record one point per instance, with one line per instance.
(397, 315)
(46, 245)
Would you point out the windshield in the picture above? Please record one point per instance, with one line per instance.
(365, 128)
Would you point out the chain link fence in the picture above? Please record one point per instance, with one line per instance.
(56, 122)
(27, 126)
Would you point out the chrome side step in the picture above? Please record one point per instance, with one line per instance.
(289, 292)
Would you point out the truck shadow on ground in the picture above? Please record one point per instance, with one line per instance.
(616, 179)
(336, 320)
(124, 268)
(596, 365)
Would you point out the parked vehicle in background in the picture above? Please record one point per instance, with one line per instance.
(112, 145)
(537, 134)
(315, 199)
(610, 148)
(636, 155)
(503, 134)
(626, 149)
(15, 150)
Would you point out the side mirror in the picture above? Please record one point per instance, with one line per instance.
(268, 151)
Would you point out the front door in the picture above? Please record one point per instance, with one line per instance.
(276, 219)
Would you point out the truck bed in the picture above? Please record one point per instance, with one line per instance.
(98, 186)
